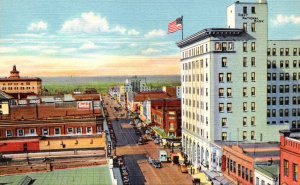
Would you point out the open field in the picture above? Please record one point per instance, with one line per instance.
(64, 88)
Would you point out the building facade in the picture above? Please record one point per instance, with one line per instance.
(5, 101)
(224, 75)
(289, 157)
(20, 86)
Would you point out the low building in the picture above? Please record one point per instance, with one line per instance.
(267, 174)
(289, 157)
(55, 134)
(5, 101)
(239, 161)
(20, 87)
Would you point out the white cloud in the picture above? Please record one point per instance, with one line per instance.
(88, 23)
(7, 50)
(30, 35)
(286, 19)
(150, 51)
(119, 29)
(155, 34)
(88, 46)
(38, 26)
(92, 23)
(133, 45)
(69, 50)
(133, 32)
(49, 51)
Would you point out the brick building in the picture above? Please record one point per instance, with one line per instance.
(289, 157)
(20, 87)
(238, 161)
(37, 135)
(166, 114)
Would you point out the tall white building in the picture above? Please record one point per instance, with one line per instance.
(225, 87)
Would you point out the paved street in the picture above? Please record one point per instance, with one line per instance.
(125, 136)
(139, 170)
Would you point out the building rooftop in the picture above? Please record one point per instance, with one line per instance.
(143, 96)
(79, 176)
(221, 33)
(269, 170)
(4, 96)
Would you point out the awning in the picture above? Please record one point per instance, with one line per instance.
(202, 177)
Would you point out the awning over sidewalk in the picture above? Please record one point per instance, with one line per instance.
(202, 177)
(160, 132)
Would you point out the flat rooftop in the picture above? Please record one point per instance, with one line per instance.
(79, 176)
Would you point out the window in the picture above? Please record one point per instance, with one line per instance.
(253, 76)
(224, 122)
(286, 167)
(268, 64)
(78, 130)
(224, 61)
(274, 64)
(217, 46)
(252, 106)
(229, 92)
(221, 77)
(245, 106)
(252, 135)
(224, 136)
(295, 172)
(9, 133)
(245, 47)
(229, 107)
(252, 61)
(244, 135)
(89, 130)
(224, 46)
(257, 181)
(252, 91)
(268, 76)
(274, 76)
(56, 131)
(253, 27)
(244, 121)
(281, 51)
(70, 130)
(253, 46)
(221, 107)
(244, 91)
(244, 77)
(32, 131)
(253, 10)
(269, 51)
(229, 75)
(221, 92)
(243, 172)
(294, 63)
(45, 131)
(252, 121)
(230, 46)
(245, 10)
(274, 51)
(262, 182)
(245, 26)
(20, 132)
(244, 61)
(287, 64)
(287, 51)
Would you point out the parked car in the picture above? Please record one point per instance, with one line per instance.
(156, 164)
(150, 160)
(156, 141)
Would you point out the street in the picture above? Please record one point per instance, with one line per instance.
(135, 156)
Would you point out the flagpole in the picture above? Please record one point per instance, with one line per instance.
(182, 27)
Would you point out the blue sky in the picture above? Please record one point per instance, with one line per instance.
(113, 37)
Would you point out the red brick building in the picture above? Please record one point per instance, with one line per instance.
(289, 157)
(166, 114)
(238, 161)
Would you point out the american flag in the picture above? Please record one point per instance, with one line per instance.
(175, 25)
